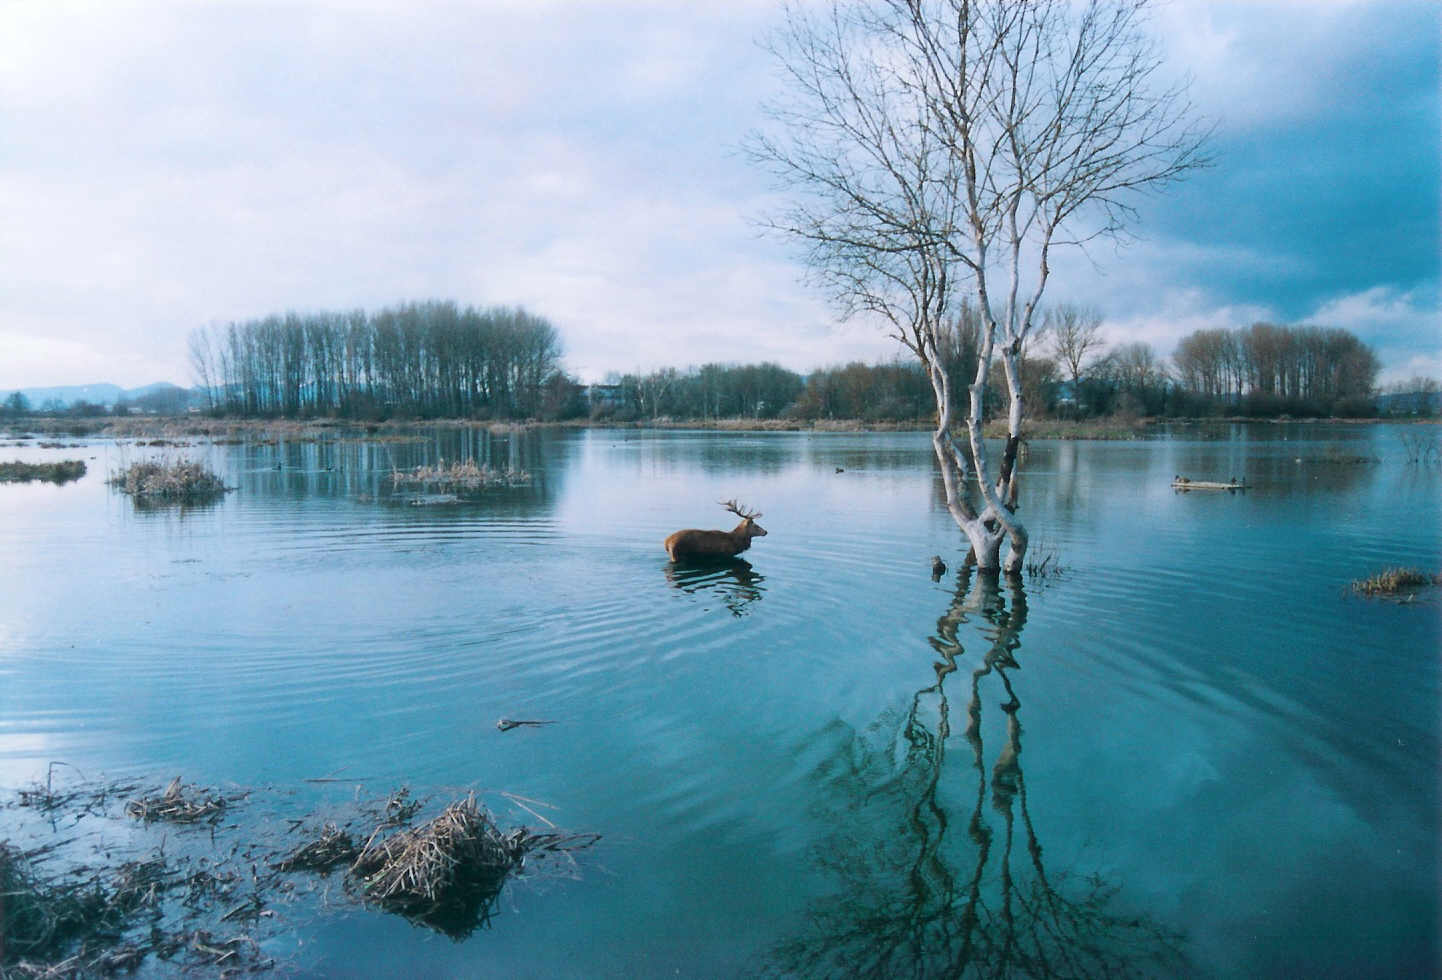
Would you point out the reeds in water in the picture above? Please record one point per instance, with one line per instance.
(437, 863)
(1395, 582)
(172, 910)
(58, 473)
(179, 480)
(460, 477)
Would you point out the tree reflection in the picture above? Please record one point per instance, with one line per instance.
(732, 580)
(916, 898)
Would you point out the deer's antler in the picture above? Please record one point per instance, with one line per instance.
(739, 511)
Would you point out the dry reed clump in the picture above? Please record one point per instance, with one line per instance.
(61, 472)
(458, 477)
(457, 860)
(179, 480)
(178, 804)
(79, 916)
(1395, 582)
(333, 847)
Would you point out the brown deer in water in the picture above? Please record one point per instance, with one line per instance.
(692, 543)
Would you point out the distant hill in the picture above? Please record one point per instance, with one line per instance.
(161, 395)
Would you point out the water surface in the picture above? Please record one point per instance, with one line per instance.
(1191, 751)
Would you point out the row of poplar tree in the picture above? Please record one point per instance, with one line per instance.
(1316, 370)
(426, 360)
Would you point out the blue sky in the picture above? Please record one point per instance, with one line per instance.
(173, 163)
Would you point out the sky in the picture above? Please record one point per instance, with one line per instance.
(168, 165)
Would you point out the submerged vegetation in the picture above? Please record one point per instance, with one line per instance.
(178, 480)
(201, 899)
(62, 472)
(1395, 583)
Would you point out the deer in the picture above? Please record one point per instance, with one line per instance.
(692, 543)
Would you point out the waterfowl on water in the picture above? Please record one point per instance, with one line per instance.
(938, 567)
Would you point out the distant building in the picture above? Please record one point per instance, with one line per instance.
(607, 396)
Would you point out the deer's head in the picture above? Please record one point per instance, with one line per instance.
(748, 525)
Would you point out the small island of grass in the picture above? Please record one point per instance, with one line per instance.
(58, 473)
(185, 480)
(1395, 583)
(460, 477)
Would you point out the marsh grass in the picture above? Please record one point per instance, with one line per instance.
(196, 893)
(1336, 457)
(1043, 562)
(467, 477)
(180, 480)
(446, 871)
(59, 473)
(1395, 583)
(69, 926)
(1419, 445)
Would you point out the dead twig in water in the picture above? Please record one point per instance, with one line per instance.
(176, 806)
(506, 724)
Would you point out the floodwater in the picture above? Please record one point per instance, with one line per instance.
(1182, 749)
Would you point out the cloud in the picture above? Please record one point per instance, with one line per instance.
(1326, 152)
(169, 163)
(1180, 312)
(1403, 327)
(34, 355)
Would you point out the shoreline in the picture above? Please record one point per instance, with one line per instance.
(156, 426)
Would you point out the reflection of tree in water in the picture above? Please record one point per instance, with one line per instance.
(916, 901)
(732, 580)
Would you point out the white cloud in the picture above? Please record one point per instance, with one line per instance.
(172, 163)
(1179, 312)
(1403, 327)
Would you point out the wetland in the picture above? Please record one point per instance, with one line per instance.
(1181, 743)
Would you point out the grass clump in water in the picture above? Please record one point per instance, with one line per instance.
(57, 473)
(443, 871)
(448, 872)
(1395, 582)
(460, 477)
(176, 805)
(179, 480)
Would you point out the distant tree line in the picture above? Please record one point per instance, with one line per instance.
(1261, 371)
(417, 360)
(1268, 369)
(436, 359)
(164, 400)
(881, 392)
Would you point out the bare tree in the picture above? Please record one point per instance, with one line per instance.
(942, 148)
(204, 362)
(1075, 333)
